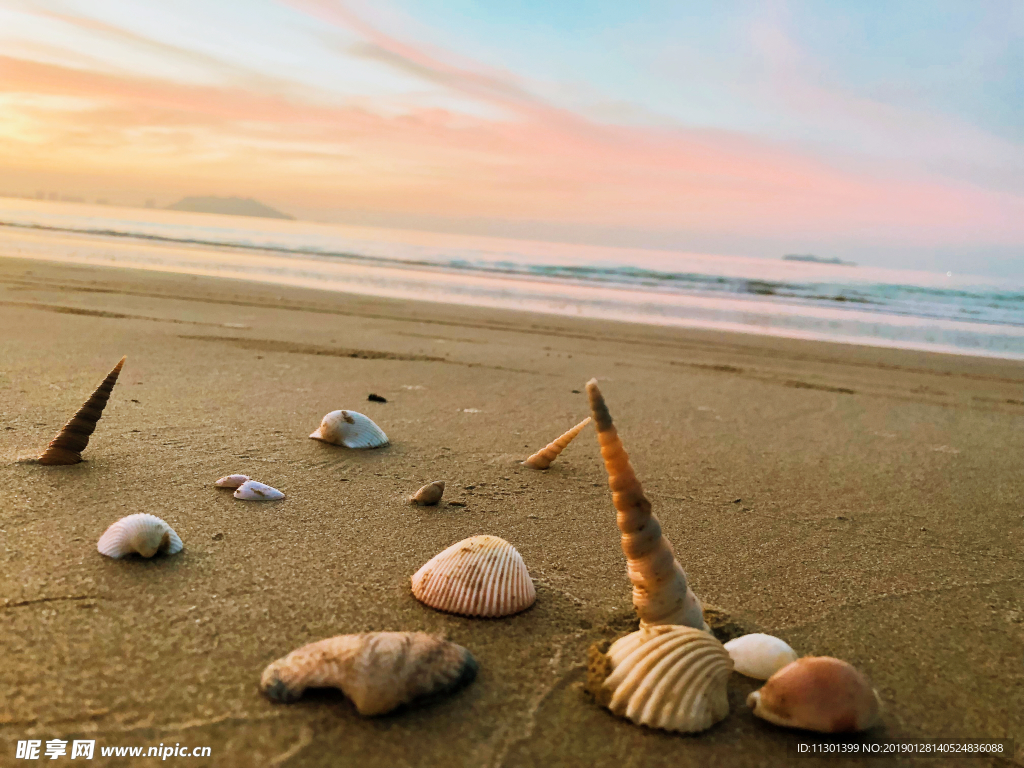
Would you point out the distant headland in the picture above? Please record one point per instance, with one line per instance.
(817, 259)
(232, 206)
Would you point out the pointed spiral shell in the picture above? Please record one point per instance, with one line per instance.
(67, 446)
(661, 594)
(378, 671)
(478, 576)
(543, 458)
(668, 677)
(142, 533)
(350, 429)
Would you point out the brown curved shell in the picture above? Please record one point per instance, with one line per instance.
(479, 576)
(67, 446)
(378, 671)
(818, 693)
(661, 594)
(543, 458)
(429, 494)
(669, 677)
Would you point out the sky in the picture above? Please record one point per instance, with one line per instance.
(889, 134)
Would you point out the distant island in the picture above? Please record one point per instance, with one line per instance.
(817, 259)
(232, 206)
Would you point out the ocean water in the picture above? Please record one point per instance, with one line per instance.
(880, 307)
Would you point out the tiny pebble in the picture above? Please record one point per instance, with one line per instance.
(374, 398)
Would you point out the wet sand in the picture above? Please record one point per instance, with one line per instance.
(857, 502)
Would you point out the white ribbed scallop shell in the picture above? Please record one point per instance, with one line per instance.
(250, 490)
(669, 676)
(142, 533)
(350, 429)
(760, 656)
(479, 576)
(231, 481)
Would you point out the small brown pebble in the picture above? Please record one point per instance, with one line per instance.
(736, 501)
(374, 398)
(217, 536)
(456, 503)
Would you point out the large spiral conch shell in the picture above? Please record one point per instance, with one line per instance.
(142, 533)
(67, 446)
(818, 693)
(350, 429)
(478, 576)
(543, 458)
(669, 677)
(660, 592)
(378, 671)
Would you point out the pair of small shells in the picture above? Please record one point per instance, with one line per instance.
(141, 533)
(249, 490)
(350, 429)
(429, 495)
(378, 671)
(478, 576)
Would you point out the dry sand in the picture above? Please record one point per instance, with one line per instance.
(858, 502)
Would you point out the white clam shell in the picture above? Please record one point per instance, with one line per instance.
(250, 490)
(668, 676)
(231, 481)
(478, 576)
(141, 533)
(350, 429)
(378, 671)
(760, 656)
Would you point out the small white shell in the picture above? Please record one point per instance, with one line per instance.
(760, 656)
(231, 481)
(250, 490)
(142, 533)
(350, 429)
(667, 676)
(478, 576)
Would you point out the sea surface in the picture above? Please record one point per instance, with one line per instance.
(862, 305)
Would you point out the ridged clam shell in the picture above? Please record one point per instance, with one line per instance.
(378, 671)
(669, 677)
(478, 576)
(250, 490)
(818, 693)
(760, 656)
(231, 481)
(142, 533)
(350, 429)
(429, 494)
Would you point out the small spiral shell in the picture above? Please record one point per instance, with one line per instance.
(67, 446)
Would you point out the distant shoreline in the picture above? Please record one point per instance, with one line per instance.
(818, 259)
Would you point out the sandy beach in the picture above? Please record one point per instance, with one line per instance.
(857, 502)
